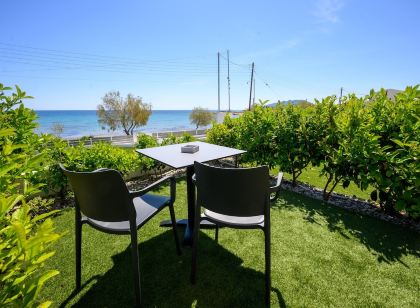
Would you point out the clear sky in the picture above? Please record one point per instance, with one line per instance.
(68, 54)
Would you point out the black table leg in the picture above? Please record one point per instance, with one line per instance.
(191, 209)
(189, 223)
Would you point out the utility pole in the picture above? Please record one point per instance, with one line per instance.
(228, 78)
(341, 95)
(218, 81)
(250, 89)
(253, 99)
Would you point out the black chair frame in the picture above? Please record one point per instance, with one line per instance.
(81, 219)
(271, 196)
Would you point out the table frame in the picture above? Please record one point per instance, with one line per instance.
(188, 223)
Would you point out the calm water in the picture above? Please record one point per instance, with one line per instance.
(85, 122)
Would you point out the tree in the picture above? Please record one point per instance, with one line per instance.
(57, 128)
(128, 113)
(201, 117)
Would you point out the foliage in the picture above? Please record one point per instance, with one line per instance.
(396, 172)
(226, 133)
(13, 114)
(292, 152)
(101, 155)
(372, 140)
(172, 139)
(57, 128)
(40, 205)
(256, 135)
(85, 158)
(201, 116)
(24, 237)
(304, 104)
(128, 113)
(146, 141)
(186, 137)
(54, 150)
(328, 154)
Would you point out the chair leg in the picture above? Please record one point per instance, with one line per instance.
(136, 265)
(216, 235)
(174, 228)
(78, 248)
(267, 266)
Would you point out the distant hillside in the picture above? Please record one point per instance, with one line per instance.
(297, 102)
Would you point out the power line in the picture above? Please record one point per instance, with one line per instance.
(58, 60)
(267, 85)
(55, 51)
(246, 66)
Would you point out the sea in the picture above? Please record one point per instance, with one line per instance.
(77, 123)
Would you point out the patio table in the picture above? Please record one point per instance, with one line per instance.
(171, 156)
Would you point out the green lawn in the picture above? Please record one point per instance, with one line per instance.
(311, 176)
(322, 256)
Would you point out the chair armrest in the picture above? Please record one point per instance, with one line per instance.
(276, 189)
(156, 184)
(193, 178)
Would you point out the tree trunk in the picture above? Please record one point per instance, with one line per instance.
(328, 195)
(324, 193)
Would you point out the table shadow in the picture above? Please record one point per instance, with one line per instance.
(222, 281)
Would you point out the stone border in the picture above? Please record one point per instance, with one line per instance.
(352, 204)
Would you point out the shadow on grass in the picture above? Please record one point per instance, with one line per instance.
(221, 280)
(388, 242)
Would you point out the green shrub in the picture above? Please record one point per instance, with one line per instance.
(146, 141)
(226, 133)
(101, 155)
(186, 137)
(171, 139)
(372, 140)
(24, 237)
(256, 135)
(293, 147)
(396, 171)
(85, 158)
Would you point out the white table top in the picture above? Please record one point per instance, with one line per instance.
(171, 154)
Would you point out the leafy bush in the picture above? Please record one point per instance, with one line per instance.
(256, 135)
(84, 158)
(293, 147)
(101, 155)
(171, 139)
(226, 133)
(372, 140)
(24, 238)
(396, 172)
(146, 141)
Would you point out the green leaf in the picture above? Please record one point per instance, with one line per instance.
(7, 132)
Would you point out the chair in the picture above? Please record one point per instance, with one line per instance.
(104, 202)
(237, 198)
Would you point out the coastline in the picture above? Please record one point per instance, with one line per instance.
(79, 123)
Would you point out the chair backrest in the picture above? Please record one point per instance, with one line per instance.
(101, 195)
(232, 191)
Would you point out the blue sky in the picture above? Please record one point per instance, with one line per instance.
(68, 54)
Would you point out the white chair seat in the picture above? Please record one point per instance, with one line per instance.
(235, 220)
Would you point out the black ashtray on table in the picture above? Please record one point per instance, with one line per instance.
(190, 148)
